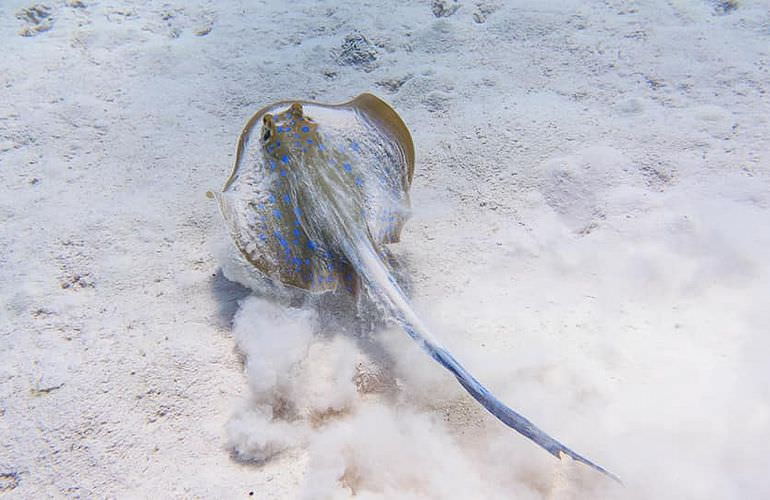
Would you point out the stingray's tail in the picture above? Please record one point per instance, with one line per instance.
(497, 408)
(378, 277)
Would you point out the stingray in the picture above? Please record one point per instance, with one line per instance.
(316, 192)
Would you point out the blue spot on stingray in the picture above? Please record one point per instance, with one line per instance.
(296, 135)
(281, 239)
(347, 166)
(295, 242)
(280, 129)
(277, 214)
(312, 245)
(286, 198)
(309, 141)
(272, 164)
(307, 262)
(271, 198)
(355, 147)
(285, 158)
(306, 129)
(262, 236)
(297, 232)
(283, 173)
(321, 147)
(359, 181)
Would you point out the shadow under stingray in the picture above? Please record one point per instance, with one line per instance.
(228, 295)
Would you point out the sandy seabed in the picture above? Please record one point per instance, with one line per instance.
(589, 236)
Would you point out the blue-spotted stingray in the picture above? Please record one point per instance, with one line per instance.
(316, 192)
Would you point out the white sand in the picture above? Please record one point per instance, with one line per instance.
(589, 237)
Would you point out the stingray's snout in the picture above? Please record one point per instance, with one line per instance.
(296, 110)
(288, 134)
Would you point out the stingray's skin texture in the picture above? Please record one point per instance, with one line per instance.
(316, 192)
(265, 208)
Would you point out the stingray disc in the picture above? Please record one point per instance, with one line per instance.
(369, 150)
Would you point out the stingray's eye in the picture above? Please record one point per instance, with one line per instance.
(268, 125)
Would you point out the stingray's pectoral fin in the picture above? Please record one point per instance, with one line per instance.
(507, 416)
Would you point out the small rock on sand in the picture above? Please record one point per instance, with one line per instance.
(38, 18)
(357, 51)
(444, 8)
